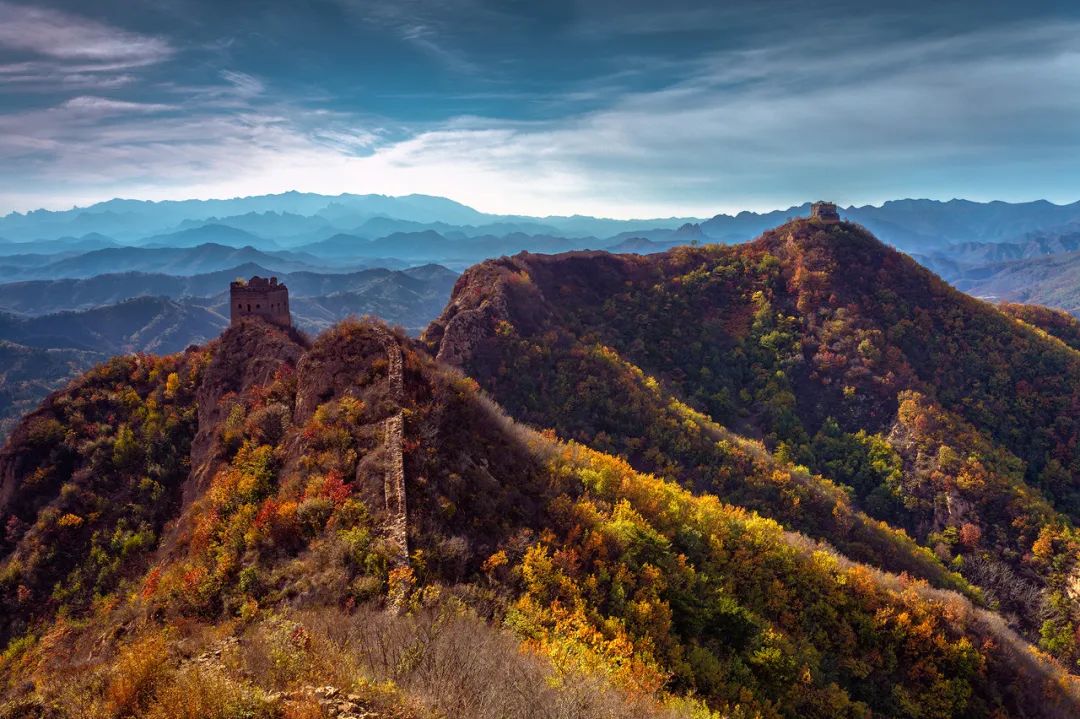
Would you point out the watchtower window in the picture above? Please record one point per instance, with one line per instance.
(249, 308)
(256, 306)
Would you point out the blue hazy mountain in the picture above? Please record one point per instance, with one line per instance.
(89, 241)
(39, 297)
(132, 220)
(295, 218)
(688, 233)
(457, 249)
(215, 234)
(170, 260)
(282, 227)
(915, 225)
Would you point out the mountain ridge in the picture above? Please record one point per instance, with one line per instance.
(913, 225)
(778, 479)
(299, 398)
(832, 347)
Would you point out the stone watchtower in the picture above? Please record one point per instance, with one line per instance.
(259, 297)
(825, 211)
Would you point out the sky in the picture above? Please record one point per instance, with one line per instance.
(619, 108)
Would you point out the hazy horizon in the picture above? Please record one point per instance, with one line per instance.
(730, 211)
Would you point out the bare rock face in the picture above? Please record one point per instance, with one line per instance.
(485, 296)
(920, 468)
(477, 305)
(248, 354)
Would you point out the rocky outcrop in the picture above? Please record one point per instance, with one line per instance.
(249, 354)
(476, 306)
(526, 291)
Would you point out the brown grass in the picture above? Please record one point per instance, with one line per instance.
(204, 693)
(459, 666)
(135, 675)
(432, 663)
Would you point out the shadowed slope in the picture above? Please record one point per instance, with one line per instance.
(280, 506)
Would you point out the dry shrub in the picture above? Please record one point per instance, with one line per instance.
(205, 693)
(268, 424)
(459, 666)
(138, 670)
(277, 654)
(303, 708)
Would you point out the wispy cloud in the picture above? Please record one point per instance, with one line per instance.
(980, 113)
(63, 50)
(100, 106)
(429, 26)
(428, 41)
(772, 125)
(243, 84)
(69, 37)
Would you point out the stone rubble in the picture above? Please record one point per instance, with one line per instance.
(331, 700)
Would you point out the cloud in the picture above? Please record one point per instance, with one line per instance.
(430, 26)
(60, 35)
(243, 85)
(988, 112)
(100, 106)
(775, 125)
(64, 51)
(428, 41)
(43, 77)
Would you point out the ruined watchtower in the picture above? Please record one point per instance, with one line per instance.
(260, 297)
(824, 211)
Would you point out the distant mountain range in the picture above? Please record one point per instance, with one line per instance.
(1041, 267)
(1052, 280)
(293, 219)
(131, 220)
(42, 353)
(127, 275)
(89, 241)
(37, 297)
(152, 324)
(966, 242)
(121, 249)
(208, 234)
(200, 259)
(51, 330)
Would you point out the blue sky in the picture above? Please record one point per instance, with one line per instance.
(593, 106)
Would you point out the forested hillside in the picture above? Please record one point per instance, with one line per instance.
(747, 491)
(937, 414)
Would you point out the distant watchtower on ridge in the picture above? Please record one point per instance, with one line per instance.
(825, 211)
(259, 297)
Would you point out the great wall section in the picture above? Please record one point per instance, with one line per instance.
(394, 427)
